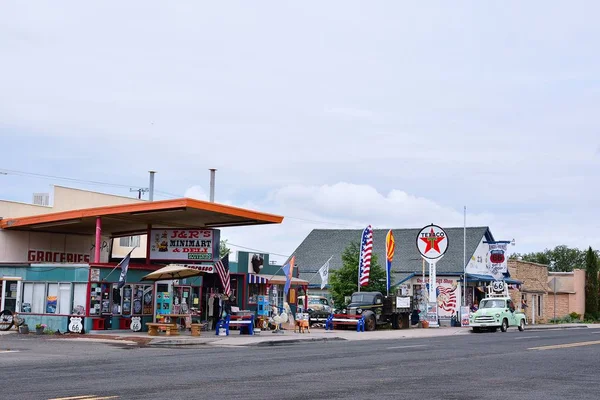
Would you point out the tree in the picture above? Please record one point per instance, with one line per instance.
(560, 259)
(223, 249)
(344, 281)
(591, 283)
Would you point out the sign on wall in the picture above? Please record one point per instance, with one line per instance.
(184, 244)
(255, 262)
(448, 296)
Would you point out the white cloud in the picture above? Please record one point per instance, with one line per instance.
(351, 206)
(196, 192)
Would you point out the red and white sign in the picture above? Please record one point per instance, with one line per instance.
(184, 244)
(432, 242)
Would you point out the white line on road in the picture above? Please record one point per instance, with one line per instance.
(9, 351)
(406, 347)
(527, 337)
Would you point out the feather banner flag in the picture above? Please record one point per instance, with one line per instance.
(390, 246)
(366, 251)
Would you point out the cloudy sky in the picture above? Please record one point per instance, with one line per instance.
(333, 114)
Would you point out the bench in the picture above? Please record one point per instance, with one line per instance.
(171, 329)
(340, 319)
(245, 322)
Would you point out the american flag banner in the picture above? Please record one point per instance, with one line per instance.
(446, 298)
(222, 267)
(366, 251)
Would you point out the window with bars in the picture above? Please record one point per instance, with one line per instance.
(129, 241)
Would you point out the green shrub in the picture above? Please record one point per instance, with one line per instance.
(574, 315)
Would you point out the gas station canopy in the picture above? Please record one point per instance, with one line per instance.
(130, 219)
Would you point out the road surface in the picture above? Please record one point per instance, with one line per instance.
(545, 365)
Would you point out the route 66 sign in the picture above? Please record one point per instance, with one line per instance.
(75, 325)
(136, 324)
(498, 286)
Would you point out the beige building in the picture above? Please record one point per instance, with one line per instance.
(570, 293)
(67, 199)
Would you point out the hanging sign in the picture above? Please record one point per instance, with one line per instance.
(184, 244)
(496, 260)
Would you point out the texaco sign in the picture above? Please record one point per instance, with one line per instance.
(432, 242)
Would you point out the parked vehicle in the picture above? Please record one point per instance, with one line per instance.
(318, 309)
(378, 309)
(497, 310)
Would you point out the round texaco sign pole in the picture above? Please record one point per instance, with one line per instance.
(432, 243)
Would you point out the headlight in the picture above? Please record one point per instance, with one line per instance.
(359, 310)
(344, 311)
(497, 315)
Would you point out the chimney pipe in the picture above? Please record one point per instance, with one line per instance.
(151, 187)
(212, 184)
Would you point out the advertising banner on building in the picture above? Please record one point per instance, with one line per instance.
(184, 244)
(448, 296)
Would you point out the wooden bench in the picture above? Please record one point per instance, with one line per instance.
(171, 329)
(245, 321)
(341, 319)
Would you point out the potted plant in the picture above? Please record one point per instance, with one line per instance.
(39, 328)
(24, 329)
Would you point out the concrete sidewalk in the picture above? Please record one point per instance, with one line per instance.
(267, 338)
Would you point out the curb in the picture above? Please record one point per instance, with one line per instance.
(555, 328)
(294, 341)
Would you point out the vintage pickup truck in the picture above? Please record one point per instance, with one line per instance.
(496, 312)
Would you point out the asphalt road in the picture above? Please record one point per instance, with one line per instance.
(474, 366)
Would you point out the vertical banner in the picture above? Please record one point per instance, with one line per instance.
(390, 246)
(464, 316)
(364, 262)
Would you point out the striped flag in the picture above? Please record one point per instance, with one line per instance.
(366, 251)
(222, 267)
(390, 246)
(446, 297)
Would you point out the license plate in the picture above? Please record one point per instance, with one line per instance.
(483, 324)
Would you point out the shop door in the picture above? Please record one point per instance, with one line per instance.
(11, 290)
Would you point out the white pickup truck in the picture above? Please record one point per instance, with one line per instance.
(497, 310)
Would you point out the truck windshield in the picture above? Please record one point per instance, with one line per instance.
(363, 298)
(492, 304)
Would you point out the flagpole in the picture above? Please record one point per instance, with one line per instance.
(465, 259)
(120, 262)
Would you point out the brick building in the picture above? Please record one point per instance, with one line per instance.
(534, 288)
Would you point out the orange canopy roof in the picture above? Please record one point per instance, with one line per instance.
(135, 218)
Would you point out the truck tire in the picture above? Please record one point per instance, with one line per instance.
(522, 325)
(504, 326)
(370, 323)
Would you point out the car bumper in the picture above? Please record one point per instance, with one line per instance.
(484, 324)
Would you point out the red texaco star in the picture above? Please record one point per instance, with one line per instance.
(433, 241)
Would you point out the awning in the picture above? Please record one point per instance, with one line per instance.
(278, 280)
(489, 278)
(131, 219)
(172, 271)
(252, 278)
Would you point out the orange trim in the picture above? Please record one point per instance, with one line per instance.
(162, 205)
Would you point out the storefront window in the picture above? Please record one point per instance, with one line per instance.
(47, 298)
(79, 296)
(253, 292)
(127, 299)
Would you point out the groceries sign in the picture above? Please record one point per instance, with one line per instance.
(184, 244)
